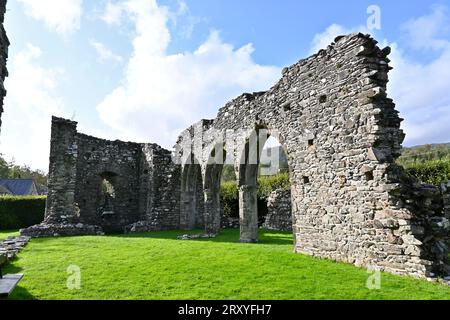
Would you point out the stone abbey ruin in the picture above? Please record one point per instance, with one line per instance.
(349, 201)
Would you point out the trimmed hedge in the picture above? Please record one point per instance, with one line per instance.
(432, 172)
(18, 212)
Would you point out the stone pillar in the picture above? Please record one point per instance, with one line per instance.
(445, 189)
(4, 44)
(62, 173)
(212, 211)
(188, 210)
(248, 213)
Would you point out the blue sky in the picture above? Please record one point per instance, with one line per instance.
(143, 70)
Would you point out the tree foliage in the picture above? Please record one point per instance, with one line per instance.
(432, 172)
(428, 163)
(10, 170)
(229, 192)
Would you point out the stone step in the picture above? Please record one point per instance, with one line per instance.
(12, 245)
(8, 283)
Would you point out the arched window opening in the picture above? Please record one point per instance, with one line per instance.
(192, 202)
(264, 184)
(107, 194)
(218, 179)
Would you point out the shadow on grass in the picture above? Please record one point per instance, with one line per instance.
(270, 237)
(19, 293)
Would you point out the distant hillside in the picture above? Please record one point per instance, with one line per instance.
(423, 153)
(429, 163)
(410, 156)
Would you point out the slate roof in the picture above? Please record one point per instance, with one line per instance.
(4, 190)
(19, 187)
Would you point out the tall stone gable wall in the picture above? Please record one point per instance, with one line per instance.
(4, 44)
(341, 134)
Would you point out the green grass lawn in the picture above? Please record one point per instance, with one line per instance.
(157, 266)
(6, 233)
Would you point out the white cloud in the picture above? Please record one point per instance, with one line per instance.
(424, 31)
(183, 19)
(61, 16)
(163, 94)
(104, 53)
(113, 13)
(29, 105)
(419, 89)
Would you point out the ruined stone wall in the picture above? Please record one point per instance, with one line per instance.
(4, 44)
(161, 196)
(341, 135)
(118, 162)
(445, 193)
(142, 176)
(279, 215)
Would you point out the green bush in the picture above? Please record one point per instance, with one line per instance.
(18, 212)
(229, 193)
(267, 184)
(433, 172)
(229, 197)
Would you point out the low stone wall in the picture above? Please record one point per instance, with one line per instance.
(229, 223)
(61, 229)
(279, 216)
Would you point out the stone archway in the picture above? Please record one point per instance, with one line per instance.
(248, 188)
(106, 194)
(213, 174)
(248, 172)
(192, 196)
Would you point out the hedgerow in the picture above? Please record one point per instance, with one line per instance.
(18, 212)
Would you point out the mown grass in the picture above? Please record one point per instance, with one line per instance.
(8, 233)
(157, 266)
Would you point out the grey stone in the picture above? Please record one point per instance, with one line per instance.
(4, 44)
(279, 216)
